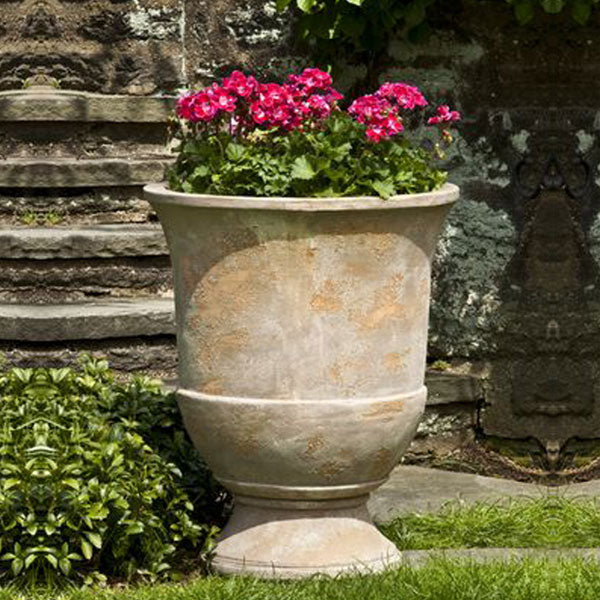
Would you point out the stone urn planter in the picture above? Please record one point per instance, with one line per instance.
(301, 331)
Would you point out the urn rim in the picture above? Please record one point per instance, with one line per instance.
(160, 194)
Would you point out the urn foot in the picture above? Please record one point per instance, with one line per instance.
(288, 540)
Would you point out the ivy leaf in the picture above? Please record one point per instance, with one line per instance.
(524, 11)
(581, 11)
(553, 6)
(302, 169)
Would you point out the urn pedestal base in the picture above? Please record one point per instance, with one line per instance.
(278, 540)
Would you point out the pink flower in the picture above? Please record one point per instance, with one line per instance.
(367, 108)
(392, 125)
(258, 113)
(221, 98)
(444, 115)
(319, 106)
(312, 79)
(406, 96)
(203, 108)
(375, 133)
(272, 94)
(185, 106)
(237, 83)
(333, 96)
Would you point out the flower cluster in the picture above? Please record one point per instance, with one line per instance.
(302, 102)
(302, 99)
(444, 115)
(381, 112)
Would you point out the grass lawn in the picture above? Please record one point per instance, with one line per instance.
(552, 522)
(438, 580)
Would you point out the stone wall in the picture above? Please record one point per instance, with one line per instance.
(87, 87)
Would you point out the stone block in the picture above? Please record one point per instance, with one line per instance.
(100, 241)
(48, 104)
(85, 321)
(73, 173)
(448, 388)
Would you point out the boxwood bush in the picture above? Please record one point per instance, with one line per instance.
(97, 479)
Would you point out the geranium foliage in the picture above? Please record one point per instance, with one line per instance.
(246, 138)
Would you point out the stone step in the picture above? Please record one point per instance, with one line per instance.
(78, 280)
(155, 356)
(72, 173)
(87, 320)
(74, 206)
(49, 104)
(99, 241)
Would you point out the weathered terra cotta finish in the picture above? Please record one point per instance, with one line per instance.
(302, 332)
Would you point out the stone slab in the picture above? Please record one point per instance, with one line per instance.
(74, 173)
(420, 490)
(88, 320)
(49, 104)
(448, 388)
(100, 241)
(413, 489)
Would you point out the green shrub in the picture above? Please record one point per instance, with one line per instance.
(91, 481)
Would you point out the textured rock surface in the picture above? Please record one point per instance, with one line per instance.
(84, 321)
(101, 241)
(100, 45)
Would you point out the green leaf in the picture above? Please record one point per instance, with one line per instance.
(306, 5)
(30, 560)
(95, 538)
(65, 565)
(524, 11)
(52, 560)
(355, 2)
(86, 549)
(415, 14)
(384, 188)
(135, 528)
(581, 11)
(200, 172)
(282, 4)
(553, 6)
(302, 169)
(98, 511)
(235, 152)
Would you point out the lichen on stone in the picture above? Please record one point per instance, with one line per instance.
(154, 23)
(471, 257)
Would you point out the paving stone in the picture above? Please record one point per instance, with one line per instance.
(420, 490)
(100, 241)
(48, 104)
(413, 489)
(88, 320)
(72, 173)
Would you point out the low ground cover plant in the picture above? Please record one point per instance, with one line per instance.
(91, 479)
(246, 138)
